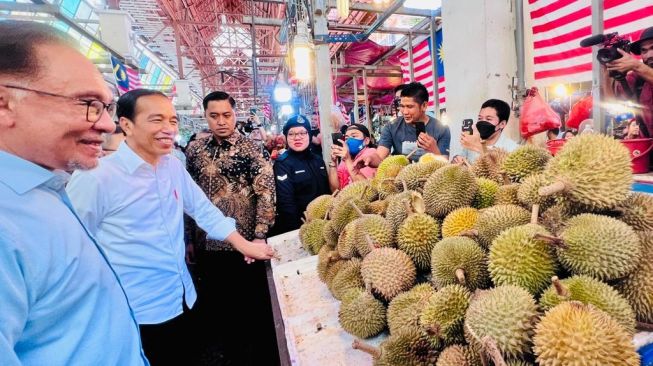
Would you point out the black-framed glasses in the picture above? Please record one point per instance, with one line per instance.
(94, 107)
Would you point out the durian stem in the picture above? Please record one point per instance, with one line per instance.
(404, 184)
(335, 193)
(483, 357)
(470, 233)
(467, 164)
(411, 153)
(460, 276)
(560, 288)
(334, 256)
(551, 240)
(506, 178)
(535, 212)
(303, 220)
(422, 180)
(483, 147)
(409, 210)
(490, 346)
(369, 349)
(647, 327)
(370, 242)
(326, 214)
(358, 210)
(554, 188)
(433, 330)
(365, 191)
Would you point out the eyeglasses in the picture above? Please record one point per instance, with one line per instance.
(94, 107)
(293, 135)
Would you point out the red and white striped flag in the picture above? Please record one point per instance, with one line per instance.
(423, 68)
(560, 25)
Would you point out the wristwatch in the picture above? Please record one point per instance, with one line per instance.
(260, 236)
(332, 165)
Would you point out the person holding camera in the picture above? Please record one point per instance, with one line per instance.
(639, 76)
(354, 148)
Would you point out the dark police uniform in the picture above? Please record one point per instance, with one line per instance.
(300, 177)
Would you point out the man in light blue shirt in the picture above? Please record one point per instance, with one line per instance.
(134, 203)
(60, 301)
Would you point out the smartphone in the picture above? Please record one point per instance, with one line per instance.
(467, 126)
(337, 138)
(419, 128)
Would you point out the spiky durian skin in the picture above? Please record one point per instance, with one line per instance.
(600, 247)
(576, 334)
(378, 207)
(637, 211)
(518, 363)
(445, 311)
(638, 287)
(493, 220)
(516, 258)
(459, 220)
(405, 309)
(318, 208)
(377, 228)
(525, 161)
(330, 235)
(458, 355)
(361, 314)
(597, 169)
(346, 213)
(396, 211)
(594, 292)
(410, 347)
(417, 236)
(456, 252)
(347, 278)
(413, 173)
(447, 189)
(507, 195)
(389, 271)
(386, 173)
(528, 195)
(429, 157)
(324, 262)
(507, 314)
(486, 194)
(346, 241)
(489, 165)
(311, 235)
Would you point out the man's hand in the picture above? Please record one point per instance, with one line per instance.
(458, 159)
(257, 249)
(371, 160)
(427, 143)
(626, 63)
(471, 142)
(341, 152)
(190, 253)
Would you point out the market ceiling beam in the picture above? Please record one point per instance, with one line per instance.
(370, 8)
(338, 27)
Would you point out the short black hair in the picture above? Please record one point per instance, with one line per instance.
(399, 88)
(126, 105)
(502, 108)
(18, 46)
(416, 91)
(218, 95)
(555, 130)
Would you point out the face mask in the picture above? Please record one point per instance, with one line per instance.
(485, 129)
(355, 146)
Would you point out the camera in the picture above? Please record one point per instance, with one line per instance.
(610, 43)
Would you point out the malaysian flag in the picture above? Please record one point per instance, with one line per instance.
(560, 25)
(423, 67)
(126, 78)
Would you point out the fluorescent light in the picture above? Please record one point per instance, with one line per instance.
(423, 4)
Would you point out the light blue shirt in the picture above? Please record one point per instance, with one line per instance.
(60, 301)
(135, 211)
(504, 142)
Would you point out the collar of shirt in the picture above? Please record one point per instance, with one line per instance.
(229, 141)
(130, 160)
(22, 176)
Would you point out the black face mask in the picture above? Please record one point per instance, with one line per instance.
(485, 129)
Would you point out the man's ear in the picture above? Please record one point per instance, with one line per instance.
(127, 126)
(502, 125)
(7, 106)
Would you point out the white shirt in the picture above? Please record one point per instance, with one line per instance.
(504, 142)
(136, 212)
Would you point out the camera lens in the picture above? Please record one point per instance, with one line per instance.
(606, 55)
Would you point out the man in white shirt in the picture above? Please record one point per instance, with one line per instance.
(492, 119)
(134, 202)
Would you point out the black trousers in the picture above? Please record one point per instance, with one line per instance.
(172, 342)
(234, 305)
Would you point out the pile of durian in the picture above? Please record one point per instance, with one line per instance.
(520, 259)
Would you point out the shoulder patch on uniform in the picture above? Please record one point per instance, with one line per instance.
(282, 177)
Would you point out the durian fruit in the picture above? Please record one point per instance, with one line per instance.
(429, 157)
(378, 207)
(525, 161)
(347, 242)
(311, 235)
(493, 220)
(554, 218)
(346, 213)
(405, 309)
(444, 314)
(361, 189)
(414, 175)
(597, 246)
(319, 207)
(486, 194)
(348, 277)
(458, 355)
(330, 235)
(459, 220)
(361, 314)
(489, 165)
(593, 170)
(573, 333)
(386, 173)
(377, 228)
(590, 291)
(389, 271)
(459, 260)
(506, 315)
(447, 189)
(638, 287)
(517, 258)
(407, 347)
(396, 212)
(507, 195)
(637, 211)
(417, 236)
(324, 261)
(518, 363)
(528, 192)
